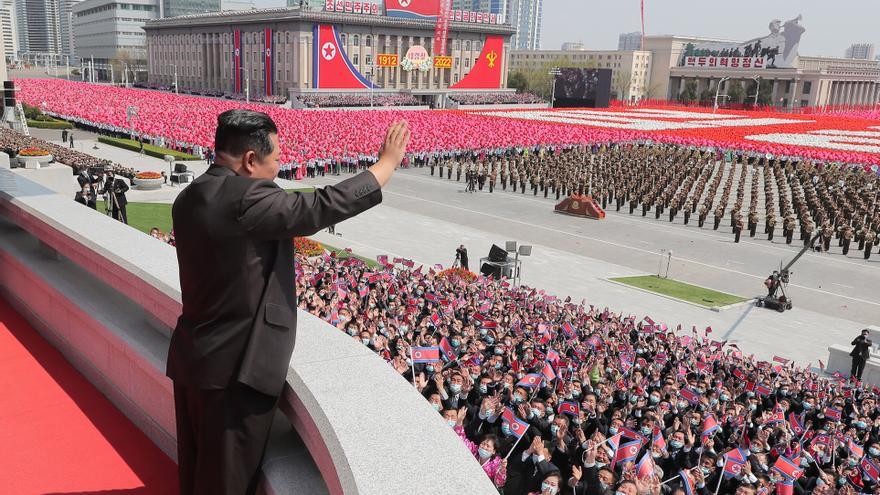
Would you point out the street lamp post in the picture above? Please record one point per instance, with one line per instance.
(176, 89)
(369, 75)
(553, 73)
(717, 91)
(757, 88)
(67, 66)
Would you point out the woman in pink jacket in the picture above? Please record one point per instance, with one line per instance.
(493, 465)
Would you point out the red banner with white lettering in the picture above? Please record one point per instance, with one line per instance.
(268, 66)
(441, 28)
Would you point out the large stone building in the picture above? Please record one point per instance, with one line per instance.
(227, 52)
(630, 70)
(38, 25)
(862, 51)
(794, 80)
(109, 32)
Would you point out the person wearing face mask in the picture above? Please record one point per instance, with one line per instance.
(550, 485)
(455, 396)
(486, 454)
(592, 479)
(528, 466)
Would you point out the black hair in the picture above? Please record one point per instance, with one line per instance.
(239, 131)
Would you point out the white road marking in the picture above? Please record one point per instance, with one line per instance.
(841, 285)
(653, 224)
(618, 245)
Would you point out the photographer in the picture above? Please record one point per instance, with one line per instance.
(115, 188)
(461, 256)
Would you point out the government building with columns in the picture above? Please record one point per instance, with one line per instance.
(797, 81)
(274, 52)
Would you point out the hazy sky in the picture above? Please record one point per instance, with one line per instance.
(831, 25)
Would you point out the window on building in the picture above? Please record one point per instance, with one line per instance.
(808, 86)
(456, 45)
(467, 62)
(355, 59)
(368, 59)
(467, 45)
(454, 78)
(368, 40)
(356, 40)
(342, 36)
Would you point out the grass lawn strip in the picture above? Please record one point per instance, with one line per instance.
(680, 290)
(145, 216)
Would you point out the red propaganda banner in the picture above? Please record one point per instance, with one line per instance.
(268, 65)
(236, 59)
(441, 28)
(331, 67)
(413, 9)
(486, 72)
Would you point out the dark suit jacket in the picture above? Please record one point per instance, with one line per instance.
(235, 252)
(117, 189)
(862, 347)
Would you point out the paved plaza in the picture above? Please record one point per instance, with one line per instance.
(425, 218)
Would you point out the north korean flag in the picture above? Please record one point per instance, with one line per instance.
(630, 433)
(548, 372)
(568, 330)
(776, 418)
(531, 380)
(332, 69)
(710, 426)
(553, 356)
(738, 373)
(797, 423)
(787, 468)
(435, 319)
(517, 426)
(687, 484)
(780, 360)
(689, 395)
(627, 453)
(733, 463)
(785, 487)
(658, 440)
(645, 467)
(870, 469)
(570, 408)
(425, 354)
(855, 449)
(614, 442)
(447, 350)
(833, 413)
(762, 389)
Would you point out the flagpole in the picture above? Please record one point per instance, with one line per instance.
(721, 476)
(514, 446)
(412, 363)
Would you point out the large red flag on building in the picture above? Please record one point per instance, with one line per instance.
(487, 70)
(331, 66)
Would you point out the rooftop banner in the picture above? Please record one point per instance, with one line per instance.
(413, 9)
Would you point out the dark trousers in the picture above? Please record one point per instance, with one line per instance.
(120, 214)
(858, 366)
(221, 438)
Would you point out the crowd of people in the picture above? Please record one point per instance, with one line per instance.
(306, 135)
(797, 200)
(330, 100)
(555, 397)
(12, 141)
(496, 98)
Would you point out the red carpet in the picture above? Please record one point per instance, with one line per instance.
(60, 435)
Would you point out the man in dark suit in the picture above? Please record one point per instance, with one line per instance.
(115, 189)
(232, 345)
(860, 354)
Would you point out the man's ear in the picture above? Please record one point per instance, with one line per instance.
(249, 162)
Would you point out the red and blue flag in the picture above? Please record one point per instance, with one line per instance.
(531, 380)
(425, 354)
(787, 468)
(626, 453)
(517, 426)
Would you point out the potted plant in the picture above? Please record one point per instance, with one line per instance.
(43, 157)
(148, 180)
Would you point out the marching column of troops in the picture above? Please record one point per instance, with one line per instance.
(806, 199)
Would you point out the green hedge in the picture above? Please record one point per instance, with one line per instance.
(149, 149)
(49, 124)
